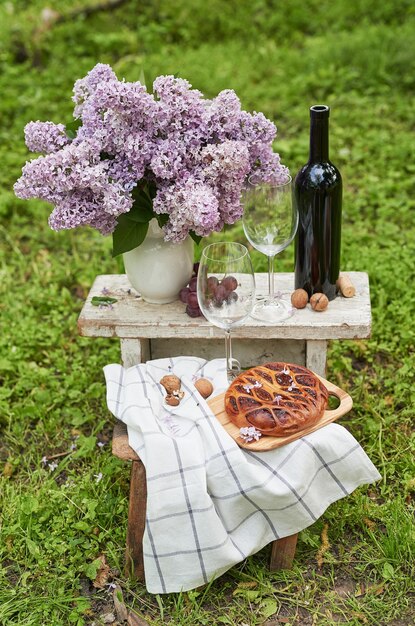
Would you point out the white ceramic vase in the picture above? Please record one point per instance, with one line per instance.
(158, 269)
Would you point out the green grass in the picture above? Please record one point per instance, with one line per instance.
(359, 57)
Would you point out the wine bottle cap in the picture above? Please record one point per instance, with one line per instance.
(319, 111)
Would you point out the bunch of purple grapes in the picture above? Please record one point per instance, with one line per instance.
(188, 295)
(218, 292)
(223, 291)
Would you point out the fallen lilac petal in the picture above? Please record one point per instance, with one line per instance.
(249, 433)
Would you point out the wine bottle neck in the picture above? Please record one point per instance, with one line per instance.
(319, 134)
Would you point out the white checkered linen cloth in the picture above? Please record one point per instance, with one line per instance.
(210, 503)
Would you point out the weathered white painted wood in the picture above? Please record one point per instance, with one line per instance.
(316, 354)
(131, 317)
(134, 351)
(248, 352)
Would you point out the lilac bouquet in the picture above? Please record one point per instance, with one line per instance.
(131, 155)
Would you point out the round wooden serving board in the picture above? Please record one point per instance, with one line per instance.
(265, 443)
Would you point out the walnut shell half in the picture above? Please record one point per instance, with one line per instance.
(171, 383)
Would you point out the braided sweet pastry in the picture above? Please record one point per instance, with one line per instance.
(278, 399)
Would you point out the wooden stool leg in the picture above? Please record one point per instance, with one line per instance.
(134, 563)
(282, 552)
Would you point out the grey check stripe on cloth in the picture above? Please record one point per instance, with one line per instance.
(228, 464)
(210, 503)
(190, 512)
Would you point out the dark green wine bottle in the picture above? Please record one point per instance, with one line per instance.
(317, 194)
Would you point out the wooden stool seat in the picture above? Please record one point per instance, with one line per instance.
(282, 550)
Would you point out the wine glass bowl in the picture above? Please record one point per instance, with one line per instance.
(226, 290)
(270, 222)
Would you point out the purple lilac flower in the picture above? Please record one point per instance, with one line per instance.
(86, 86)
(256, 128)
(191, 205)
(168, 160)
(226, 166)
(45, 137)
(266, 166)
(116, 111)
(76, 181)
(198, 153)
(180, 111)
(225, 116)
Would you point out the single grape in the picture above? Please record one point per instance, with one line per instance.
(220, 295)
(184, 294)
(192, 300)
(193, 284)
(212, 283)
(230, 283)
(232, 297)
(193, 311)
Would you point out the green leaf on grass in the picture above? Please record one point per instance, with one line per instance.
(91, 569)
(85, 446)
(32, 547)
(81, 525)
(269, 606)
(388, 571)
(30, 504)
(6, 366)
(249, 594)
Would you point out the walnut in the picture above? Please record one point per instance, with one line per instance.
(172, 400)
(171, 383)
(299, 298)
(204, 387)
(178, 394)
(319, 302)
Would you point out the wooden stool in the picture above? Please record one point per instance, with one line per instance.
(147, 331)
(282, 551)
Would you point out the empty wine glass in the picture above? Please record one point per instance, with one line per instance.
(226, 291)
(270, 222)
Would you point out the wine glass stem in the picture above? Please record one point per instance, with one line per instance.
(271, 277)
(228, 351)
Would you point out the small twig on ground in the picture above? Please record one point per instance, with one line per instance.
(57, 456)
(325, 545)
